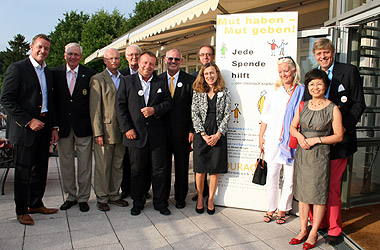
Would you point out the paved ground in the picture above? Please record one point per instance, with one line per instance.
(229, 228)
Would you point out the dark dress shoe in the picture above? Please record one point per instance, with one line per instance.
(135, 211)
(195, 197)
(42, 210)
(165, 211)
(180, 204)
(102, 206)
(211, 211)
(25, 219)
(199, 210)
(333, 240)
(83, 207)
(68, 204)
(119, 203)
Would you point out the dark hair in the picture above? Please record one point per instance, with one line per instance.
(208, 46)
(43, 36)
(317, 74)
(200, 85)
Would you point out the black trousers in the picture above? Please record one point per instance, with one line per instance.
(148, 162)
(31, 167)
(181, 151)
(126, 181)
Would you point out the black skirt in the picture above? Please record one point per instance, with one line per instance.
(209, 159)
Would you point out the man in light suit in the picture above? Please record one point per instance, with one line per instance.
(141, 101)
(178, 125)
(346, 91)
(27, 98)
(108, 146)
(71, 82)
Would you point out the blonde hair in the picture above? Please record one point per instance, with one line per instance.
(294, 66)
(323, 43)
(200, 84)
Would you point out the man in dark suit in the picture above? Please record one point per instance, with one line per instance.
(206, 54)
(178, 125)
(71, 82)
(27, 98)
(132, 54)
(346, 91)
(141, 101)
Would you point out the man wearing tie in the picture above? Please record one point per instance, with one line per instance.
(142, 99)
(27, 98)
(179, 128)
(71, 82)
(108, 147)
(346, 91)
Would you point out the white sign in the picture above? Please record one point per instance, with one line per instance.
(247, 49)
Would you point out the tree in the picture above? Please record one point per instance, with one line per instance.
(18, 49)
(69, 29)
(100, 30)
(146, 9)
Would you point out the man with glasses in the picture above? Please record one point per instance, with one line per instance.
(108, 147)
(132, 54)
(71, 88)
(178, 126)
(206, 55)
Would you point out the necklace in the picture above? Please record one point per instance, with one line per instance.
(288, 90)
(318, 104)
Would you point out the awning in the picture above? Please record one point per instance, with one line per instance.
(190, 18)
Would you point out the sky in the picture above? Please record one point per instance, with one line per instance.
(30, 18)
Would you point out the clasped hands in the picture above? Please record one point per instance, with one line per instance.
(306, 143)
(211, 140)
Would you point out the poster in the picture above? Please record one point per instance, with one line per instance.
(247, 49)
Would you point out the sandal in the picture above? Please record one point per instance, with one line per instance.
(268, 217)
(280, 219)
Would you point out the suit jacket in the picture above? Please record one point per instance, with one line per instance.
(128, 106)
(126, 71)
(21, 98)
(178, 121)
(346, 91)
(73, 111)
(223, 110)
(102, 108)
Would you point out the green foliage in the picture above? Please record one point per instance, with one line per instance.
(17, 51)
(101, 29)
(69, 29)
(146, 9)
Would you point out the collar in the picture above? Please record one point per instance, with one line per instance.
(142, 80)
(36, 64)
(68, 69)
(111, 74)
(132, 71)
(176, 75)
(331, 67)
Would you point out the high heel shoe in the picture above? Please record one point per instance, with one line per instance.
(211, 211)
(307, 246)
(200, 210)
(295, 241)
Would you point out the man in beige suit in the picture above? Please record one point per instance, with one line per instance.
(108, 147)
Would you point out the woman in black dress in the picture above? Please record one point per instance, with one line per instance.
(211, 111)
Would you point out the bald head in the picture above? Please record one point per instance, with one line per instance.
(112, 60)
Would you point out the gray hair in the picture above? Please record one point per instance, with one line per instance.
(133, 45)
(69, 45)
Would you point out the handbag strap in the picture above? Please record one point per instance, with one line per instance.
(261, 157)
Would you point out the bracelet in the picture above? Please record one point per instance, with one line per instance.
(218, 135)
(203, 133)
(319, 140)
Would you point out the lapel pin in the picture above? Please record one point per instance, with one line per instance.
(179, 85)
(343, 99)
(140, 92)
(84, 92)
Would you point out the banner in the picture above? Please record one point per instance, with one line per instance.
(247, 49)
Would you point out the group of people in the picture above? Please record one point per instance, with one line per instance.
(321, 116)
(136, 122)
(133, 121)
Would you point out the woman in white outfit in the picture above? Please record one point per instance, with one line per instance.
(280, 106)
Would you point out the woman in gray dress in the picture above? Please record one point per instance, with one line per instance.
(320, 125)
(210, 111)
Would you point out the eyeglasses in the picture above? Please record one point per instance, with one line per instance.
(134, 54)
(173, 58)
(73, 54)
(113, 58)
(205, 54)
(287, 57)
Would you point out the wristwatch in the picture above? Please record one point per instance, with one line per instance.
(319, 140)
(203, 133)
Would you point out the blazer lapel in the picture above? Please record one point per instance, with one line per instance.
(107, 78)
(153, 90)
(32, 71)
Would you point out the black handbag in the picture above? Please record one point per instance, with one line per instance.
(260, 175)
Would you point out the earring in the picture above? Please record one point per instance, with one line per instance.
(294, 75)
